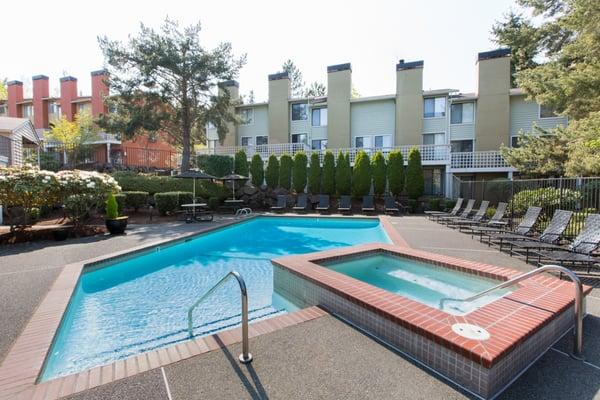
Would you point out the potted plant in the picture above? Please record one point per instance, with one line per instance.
(115, 224)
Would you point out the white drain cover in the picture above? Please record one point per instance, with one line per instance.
(471, 331)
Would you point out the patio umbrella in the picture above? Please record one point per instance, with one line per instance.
(233, 178)
(194, 174)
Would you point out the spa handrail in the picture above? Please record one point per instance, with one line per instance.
(245, 357)
(578, 345)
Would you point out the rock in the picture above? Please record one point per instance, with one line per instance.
(250, 190)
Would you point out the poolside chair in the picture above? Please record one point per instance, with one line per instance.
(524, 228)
(345, 205)
(368, 204)
(464, 213)
(551, 234)
(323, 203)
(390, 205)
(301, 203)
(495, 221)
(281, 203)
(478, 217)
(454, 211)
(581, 250)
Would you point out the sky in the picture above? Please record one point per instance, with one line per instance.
(58, 38)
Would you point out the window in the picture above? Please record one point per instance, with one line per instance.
(433, 181)
(247, 140)
(299, 138)
(247, 116)
(433, 138)
(3, 109)
(53, 108)
(299, 112)
(319, 144)
(363, 142)
(262, 140)
(514, 141)
(461, 146)
(547, 112)
(461, 113)
(27, 111)
(83, 107)
(434, 107)
(319, 117)
(383, 141)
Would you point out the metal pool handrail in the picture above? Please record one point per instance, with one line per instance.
(245, 357)
(578, 345)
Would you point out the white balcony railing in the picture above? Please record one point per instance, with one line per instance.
(478, 160)
(265, 150)
(430, 154)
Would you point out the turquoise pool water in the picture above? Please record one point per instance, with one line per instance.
(140, 303)
(422, 282)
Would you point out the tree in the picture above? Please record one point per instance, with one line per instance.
(361, 174)
(295, 75)
(415, 184)
(314, 174)
(343, 174)
(240, 162)
(3, 90)
(167, 82)
(379, 173)
(257, 170)
(395, 172)
(328, 173)
(272, 174)
(285, 172)
(316, 89)
(354, 94)
(299, 172)
(74, 135)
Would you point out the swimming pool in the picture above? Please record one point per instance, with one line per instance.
(140, 303)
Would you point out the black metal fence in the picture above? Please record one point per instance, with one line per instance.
(580, 195)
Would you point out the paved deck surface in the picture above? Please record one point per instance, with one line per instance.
(321, 359)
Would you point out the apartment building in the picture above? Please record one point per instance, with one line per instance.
(459, 134)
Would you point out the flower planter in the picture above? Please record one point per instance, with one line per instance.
(116, 226)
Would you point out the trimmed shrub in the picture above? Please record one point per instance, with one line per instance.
(395, 172)
(214, 203)
(285, 172)
(169, 202)
(343, 174)
(361, 174)
(79, 206)
(314, 174)
(136, 199)
(257, 170)
(272, 174)
(215, 165)
(299, 172)
(120, 199)
(415, 184)
(489, 213)
(434, 204)
(112, 208)
(548, 198)
(241, 163)
(449, 204)
(328, 173)
(152, 184)
(378, 168)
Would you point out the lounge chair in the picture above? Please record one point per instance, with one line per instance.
(301, 203)
(390, 205)
(323, 203)
(478, 217)
(463, 214)
(581, 250)
(496, 220)
(281, 203)
(368, 204)
(454, 211)
(524, 228)
(345, 205)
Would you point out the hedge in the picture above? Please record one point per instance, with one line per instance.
(285, 172)
(378, 168)
(241, 163)
(395, 172)
(121, 199)
(272, 174)
(152, 184)
(343, 175)
(135, 199)
(257, 170)
(299, 172)
(415, 184)
(169, 202)
(547, 198)
(314, 174)
(328, 173)
(361, 175)
(215, 165)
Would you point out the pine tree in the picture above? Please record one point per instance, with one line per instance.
(272, 174)
(328, 173)
(415, 184)
(314, 174)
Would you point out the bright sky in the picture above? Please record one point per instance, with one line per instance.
(59, 37)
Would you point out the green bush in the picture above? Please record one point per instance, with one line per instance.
(547, 198)
(343, 175)
(415, 184)
(272, 174)
(299, 172)
(112, 208)
(328, 173)
(413, 204)
(489, 213)
(257, 170)
(449, 204)
(215, 165)
(434, 204)
(169, 202)
(135, 199)
(395, 172)
(121, 199)
(79, 206)
(379, 173)
(285, 171)
(214, 203)
(314, 174)
(361, 174)
(152, 184)
(241, 163)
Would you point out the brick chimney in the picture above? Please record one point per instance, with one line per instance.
(41, 90)
(279, 93)
(100, 91)
(15, 95)
(68, 93)
(339, 92)
(409, 102)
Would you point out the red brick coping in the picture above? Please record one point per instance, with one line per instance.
(510, 320)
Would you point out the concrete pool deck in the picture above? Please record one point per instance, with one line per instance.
(28, 270)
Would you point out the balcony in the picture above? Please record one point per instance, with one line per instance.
(479, 161)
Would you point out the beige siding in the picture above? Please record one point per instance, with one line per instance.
(524, 114)
(372, 118)
(260, 125)
(318, 132)
(434, 125)
(462, 131)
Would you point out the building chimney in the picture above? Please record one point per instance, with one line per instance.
(279, 114)
(15, 95)
(233, 88)
(100, 91)
(41, 90)
(68, 93)
(339, 92)
(409, 102)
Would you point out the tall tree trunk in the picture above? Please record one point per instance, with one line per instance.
(185, 130)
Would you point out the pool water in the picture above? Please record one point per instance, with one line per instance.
(422, 282)
(140, 303)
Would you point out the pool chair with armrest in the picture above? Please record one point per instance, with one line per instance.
(438, 214)
(323, 205)
(368, 204)
(497, 220)
(525, 227)
(463, 214)
(281, 203)
(301, 203)
(390, 205)
(476, 218)
(345, 205)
